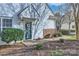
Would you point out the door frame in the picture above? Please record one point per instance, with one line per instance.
(30, 37)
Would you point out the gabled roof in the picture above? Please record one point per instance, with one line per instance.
(18, 13)
(49, 8)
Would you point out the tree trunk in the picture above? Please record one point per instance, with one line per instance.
(69, 28)
(77, 28)
(15, 41)
(58, 29)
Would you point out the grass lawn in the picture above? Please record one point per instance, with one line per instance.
(70, 37)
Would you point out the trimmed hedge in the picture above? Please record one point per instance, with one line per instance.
(11, 34)
(72, 30)
(66, 32)
(59, 34)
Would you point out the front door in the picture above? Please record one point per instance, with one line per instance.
(28, 27)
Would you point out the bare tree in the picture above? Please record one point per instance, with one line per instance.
(68, 18)
(64, 15)
(75, 11)
(58, 20)
(42, 10)
(74, 7)
(60, 14)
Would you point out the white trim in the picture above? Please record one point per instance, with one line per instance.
(2, 22)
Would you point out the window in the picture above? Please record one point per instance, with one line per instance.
(73, 26)
(7, 23)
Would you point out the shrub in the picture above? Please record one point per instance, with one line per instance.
(11, 34)
(61, 40)
(38, 46)
(57, 34)
(57, 53)
(47, 36)
(65, 32)
(54, 35)
(72, 31)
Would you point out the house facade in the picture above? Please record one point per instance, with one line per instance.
(71, 27)
(28, 24)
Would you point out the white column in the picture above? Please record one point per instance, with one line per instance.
(33, 29)
(24, 31)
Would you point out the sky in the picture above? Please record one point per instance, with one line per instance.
(54, 6)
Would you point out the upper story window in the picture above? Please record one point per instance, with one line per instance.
(7, 23)
(73, 26)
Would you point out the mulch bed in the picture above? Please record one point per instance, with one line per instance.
(68, 47)
(67, 44)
